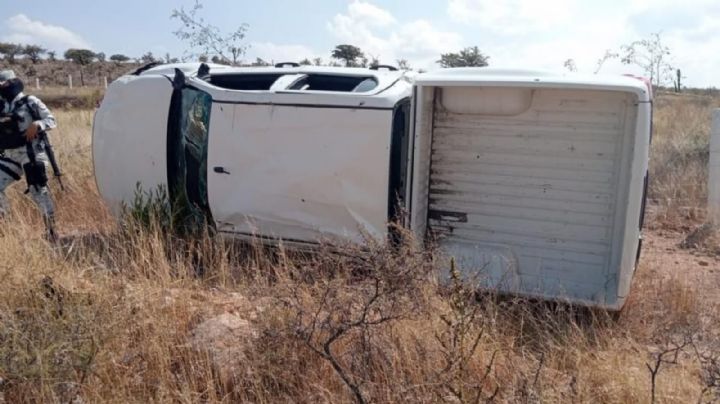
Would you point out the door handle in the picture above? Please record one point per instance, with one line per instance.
(221, 170)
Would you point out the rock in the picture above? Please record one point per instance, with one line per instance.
(225, 339)
(698, 236)
(703, 263)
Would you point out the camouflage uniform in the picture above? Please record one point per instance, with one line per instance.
(12, 160)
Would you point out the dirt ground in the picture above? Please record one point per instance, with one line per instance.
(663, 257)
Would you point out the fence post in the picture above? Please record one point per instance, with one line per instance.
(714, 171)
(37, 83)
(70, 80)
(105, 81)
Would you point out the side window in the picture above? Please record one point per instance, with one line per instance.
(187, 153)
(337, 83)
(248, 82)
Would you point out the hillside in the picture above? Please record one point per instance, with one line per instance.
(55, 73)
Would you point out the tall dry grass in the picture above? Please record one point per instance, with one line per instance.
(679, 157)
(131, 314)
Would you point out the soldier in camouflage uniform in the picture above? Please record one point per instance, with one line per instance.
(33, 118)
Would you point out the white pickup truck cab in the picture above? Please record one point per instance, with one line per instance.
(534, 179)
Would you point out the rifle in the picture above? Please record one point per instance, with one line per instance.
(51, 157)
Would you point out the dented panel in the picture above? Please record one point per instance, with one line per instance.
(300, 173)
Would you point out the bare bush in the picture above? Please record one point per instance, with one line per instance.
(337, 317)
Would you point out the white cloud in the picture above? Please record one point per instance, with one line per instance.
(543, 34)
(379, 34)
(511, 16)
(21, 29)
(370, 14)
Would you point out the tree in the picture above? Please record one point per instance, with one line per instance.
(601, 62)
(81, 57)
(403, 64)
(52, 56)
(119, 58)
(33, 52)
(208, 39)
(219, 60)
(317, 61)
(148, 58)
(170, 59)
(9, 51)
(374, 61)
(100, 56)
(651, 55)
(348, 53)
(467, 57)
(305, 62)
(260, 62)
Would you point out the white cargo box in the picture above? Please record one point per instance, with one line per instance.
(536, 181)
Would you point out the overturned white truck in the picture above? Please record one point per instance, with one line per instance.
(535, 179)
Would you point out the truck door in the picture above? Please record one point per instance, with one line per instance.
(187, 150)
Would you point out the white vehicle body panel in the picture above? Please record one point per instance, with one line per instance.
(301, 166)
(298, 165)
(532, 180)
(533, 183)
(129, 138)
(300, 173)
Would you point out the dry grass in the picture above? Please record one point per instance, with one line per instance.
(114, 315)
(680, 152)
(69, 98)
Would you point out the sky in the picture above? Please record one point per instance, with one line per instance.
(528, 34)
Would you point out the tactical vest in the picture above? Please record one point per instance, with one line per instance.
(11, 137)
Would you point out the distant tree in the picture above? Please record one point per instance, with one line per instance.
(317, 61)
(403, 64)
(260, 62)
(202, 58)
(33, 52)
(119, 58)
(350, 54)
(220, 60)
(148, 57)
(306, 62)
(570, 65)
(651, 55)
(82, 57)
(52, 56)
(373, 62)
(10, 51)
(468, 57)
(208, 39)
(100, 56)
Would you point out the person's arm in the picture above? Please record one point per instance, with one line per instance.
(43, 118)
